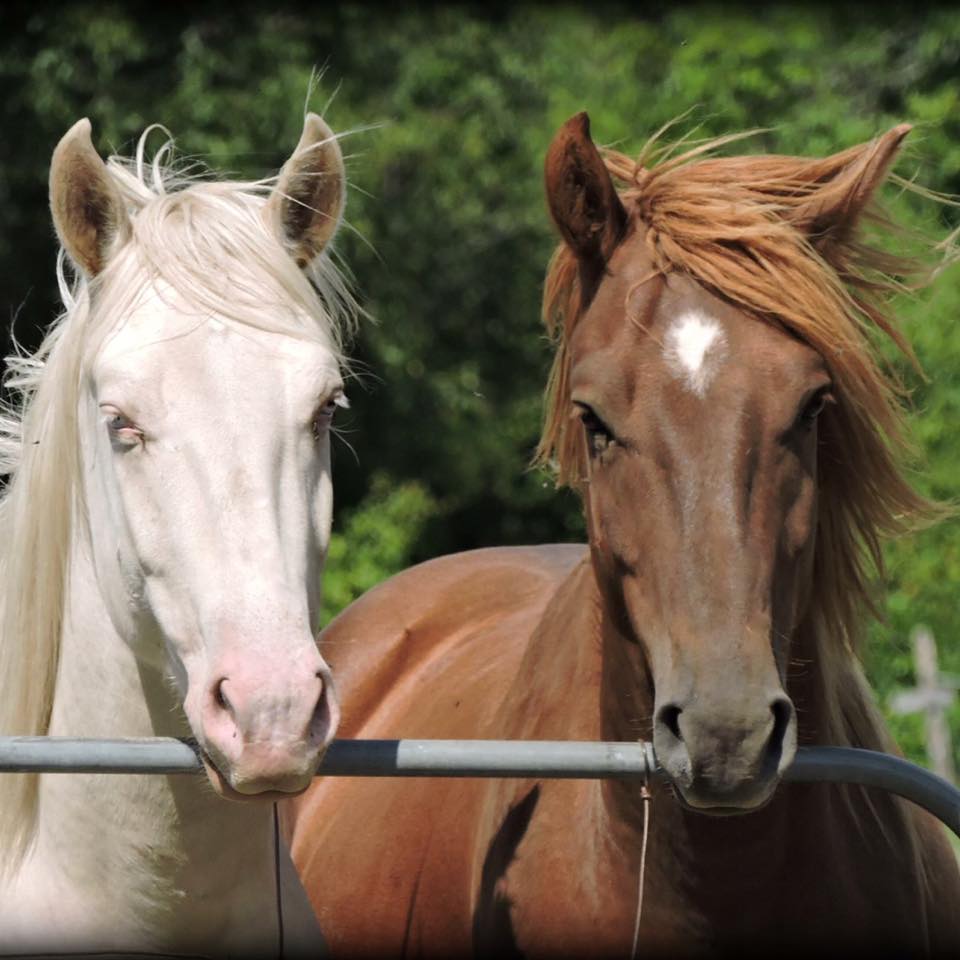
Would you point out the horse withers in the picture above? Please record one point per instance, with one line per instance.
(716, 400)
(162, 535)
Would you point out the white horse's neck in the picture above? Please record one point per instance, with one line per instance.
(138, 862)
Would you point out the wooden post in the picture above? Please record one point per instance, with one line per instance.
(933, 697)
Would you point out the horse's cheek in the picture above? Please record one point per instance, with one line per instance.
(620, 519)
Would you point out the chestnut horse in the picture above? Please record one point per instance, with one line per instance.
(716, 402)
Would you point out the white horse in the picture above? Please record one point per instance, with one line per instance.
(162, 535)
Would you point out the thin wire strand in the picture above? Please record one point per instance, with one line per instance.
(645, 796)
(276, 877)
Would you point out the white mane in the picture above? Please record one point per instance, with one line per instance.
(207, 241)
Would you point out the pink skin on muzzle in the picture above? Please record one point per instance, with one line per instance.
(263, 727)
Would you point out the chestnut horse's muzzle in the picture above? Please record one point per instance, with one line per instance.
(726, 756)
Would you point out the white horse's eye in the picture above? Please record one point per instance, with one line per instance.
(324, 415)
(121, 427)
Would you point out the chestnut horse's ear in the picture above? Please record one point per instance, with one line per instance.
(307, 203)
(848, 182)
(582, 198)
(87, 208)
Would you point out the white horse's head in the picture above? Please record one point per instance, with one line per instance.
(209, 377)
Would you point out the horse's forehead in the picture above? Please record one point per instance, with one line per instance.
(671, 331)
(161, 347)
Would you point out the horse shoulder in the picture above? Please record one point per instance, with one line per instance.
(436, 619)
(429, 653)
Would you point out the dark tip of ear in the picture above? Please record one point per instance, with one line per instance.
(576, 130)
(582, 198)
(579, 123)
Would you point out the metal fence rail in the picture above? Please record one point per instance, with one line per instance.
(481, 758)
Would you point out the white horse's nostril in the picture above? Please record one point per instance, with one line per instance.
(326, 714)
(320, 721)
(220, 695)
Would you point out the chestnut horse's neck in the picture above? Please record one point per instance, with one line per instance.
(693, 889)
(699, 845)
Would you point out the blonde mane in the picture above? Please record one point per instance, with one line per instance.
(731, 224)
(209, 243)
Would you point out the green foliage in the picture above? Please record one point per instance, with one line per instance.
(449, 235)
(376, 540)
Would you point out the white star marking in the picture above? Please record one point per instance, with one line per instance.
(694, 348)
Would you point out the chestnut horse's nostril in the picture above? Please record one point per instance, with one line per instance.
(669, 716)
(783, 735)
(672, 752)
(725, 753)
(668, 742)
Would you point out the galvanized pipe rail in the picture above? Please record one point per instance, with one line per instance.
(481, 758)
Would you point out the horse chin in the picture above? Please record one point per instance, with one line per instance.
(223, 788)
(748, 799)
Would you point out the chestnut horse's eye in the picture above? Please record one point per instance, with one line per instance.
(814, 407)
(599, 436)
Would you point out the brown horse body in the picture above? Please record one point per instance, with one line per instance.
(512, 646)
(715, 401)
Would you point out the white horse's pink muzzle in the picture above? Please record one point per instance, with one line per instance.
(262, 729)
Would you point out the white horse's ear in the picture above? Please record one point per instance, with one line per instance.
(307, 202)
(87, 208)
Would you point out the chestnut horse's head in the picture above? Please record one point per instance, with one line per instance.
(711, 360)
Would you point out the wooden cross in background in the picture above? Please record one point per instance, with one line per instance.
(933, 695)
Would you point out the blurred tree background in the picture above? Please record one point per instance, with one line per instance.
(452, 109)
